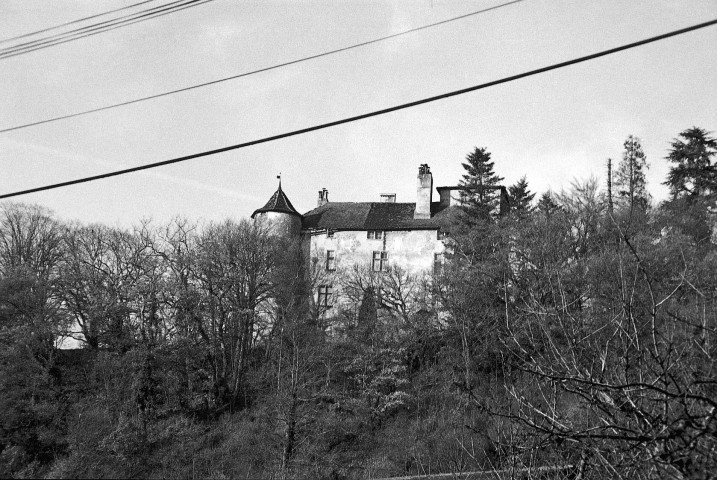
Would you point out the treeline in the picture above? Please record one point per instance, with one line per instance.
(576, 331)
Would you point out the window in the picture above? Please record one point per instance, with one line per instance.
(437, 263)
(374, 234)
(329, 233)
(325, 294)
(330, 260)
(442, 235)
(380, 261)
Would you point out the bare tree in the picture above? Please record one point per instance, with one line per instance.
(583, 205)
(31, 323)
(396, 292)
(30, 253)
(626, 381)
(91, 283)
(233, 275)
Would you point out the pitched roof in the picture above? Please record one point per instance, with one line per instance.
(278, 202)
(374, 216)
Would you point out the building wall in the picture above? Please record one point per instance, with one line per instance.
(279, 223)
(412, 250)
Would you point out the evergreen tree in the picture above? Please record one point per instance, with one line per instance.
(630, 177)
(546, 204)
(480, 186)
(693, 174)
(521, 197)
(693, 183)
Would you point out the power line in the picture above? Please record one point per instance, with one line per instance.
(51, 40)
(367, 115)
(265, 69)
(32, 45)
(75, 21)
(101, 27)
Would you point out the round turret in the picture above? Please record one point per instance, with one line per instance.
(279, 215)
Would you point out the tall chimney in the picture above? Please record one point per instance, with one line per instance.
(323, 197)
(424, 194)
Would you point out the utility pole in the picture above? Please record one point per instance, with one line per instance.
(609, 185)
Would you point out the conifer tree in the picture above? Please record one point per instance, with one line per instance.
(546, 205)
(480, 190)
(693, 174)
(521, 197)
(693, 183)
(630, 176)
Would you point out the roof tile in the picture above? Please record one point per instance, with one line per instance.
(375, 216)
(278, 202)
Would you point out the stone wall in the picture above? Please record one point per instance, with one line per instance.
(282, 224)
(412, 250)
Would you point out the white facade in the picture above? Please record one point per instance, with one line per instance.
(279, 223)
(412, 250)
(343, 260)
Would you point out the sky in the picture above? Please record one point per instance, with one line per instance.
(552, 128)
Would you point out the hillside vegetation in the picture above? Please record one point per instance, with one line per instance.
(579, 329)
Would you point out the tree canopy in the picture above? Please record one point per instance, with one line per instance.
(693, 173)
(563, 341)
(520, 196)
(480, 185)
(630, 183)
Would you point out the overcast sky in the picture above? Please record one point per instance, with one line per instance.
(552, 127)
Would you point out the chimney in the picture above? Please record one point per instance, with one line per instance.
(323, 197)
(424, 194)
(504, 205)
(388, 197)
(449, 196)
(445, 194)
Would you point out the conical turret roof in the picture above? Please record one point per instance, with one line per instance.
(278, 202)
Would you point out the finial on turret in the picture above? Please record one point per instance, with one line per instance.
(278, 203)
